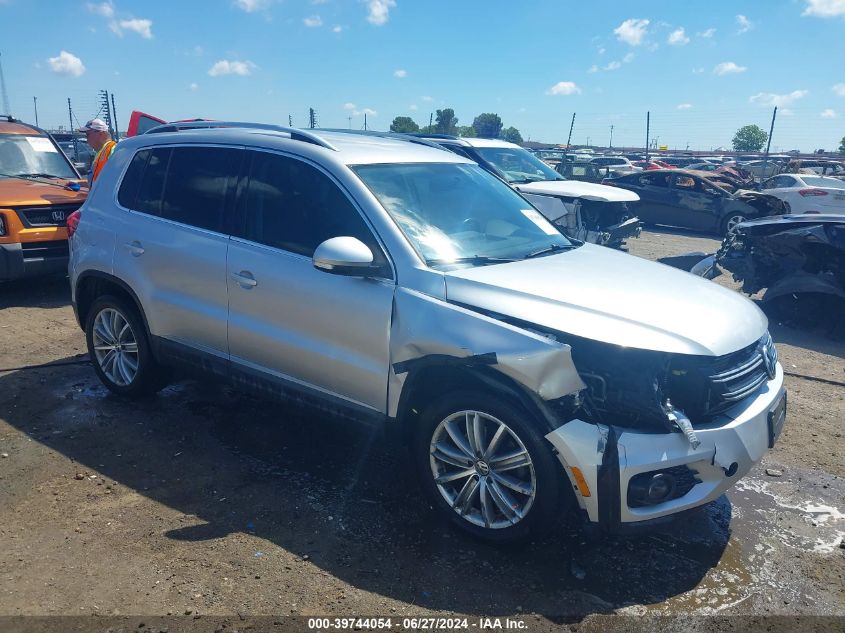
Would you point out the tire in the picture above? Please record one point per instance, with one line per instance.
(119, 349)
(732, 219)
(484, 512)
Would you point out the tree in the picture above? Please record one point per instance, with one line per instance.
(445, 122)
(404, 125)
(750, 138)
(467, 131)
(842, 146)
(487, 125)
(512, 135)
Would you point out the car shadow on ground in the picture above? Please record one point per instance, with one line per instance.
(324, 488)
(51, 291)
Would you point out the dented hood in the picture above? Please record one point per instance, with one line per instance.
(604, 295)
(578, 189)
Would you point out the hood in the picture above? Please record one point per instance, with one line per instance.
(578, 189)
(603, 295)
(15, 192)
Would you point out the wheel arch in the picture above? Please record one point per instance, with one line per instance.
(93, 284)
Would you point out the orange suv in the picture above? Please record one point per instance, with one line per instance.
(39, 189)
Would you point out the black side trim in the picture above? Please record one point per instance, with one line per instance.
(189, 358)
(607, 480)
(288, 390)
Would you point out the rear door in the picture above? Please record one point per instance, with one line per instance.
(288, 321)
(653, 189)
(171, 245)
(695, 204)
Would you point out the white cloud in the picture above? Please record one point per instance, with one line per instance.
(413, 106)
(613, 66)
(349, 106)
(628, 58)
(313, 21)
(828, 114)
(593, 69)
(193, 87)
(251, 6)
(197, 51)
(707, 34)
(370, 112)
(602, 51)
(632, 31)
(564, 88)
(337, 29)
(229, 67)
(66, 64)
(378, 11)
(105, 9)
(697, 71)
(781, 101)
(729, 68)
(744, 24)
(839, 89)
(825, 9)
(678, 37)
(427, 98)
(141, 27)
(684, 106)
(401, 73)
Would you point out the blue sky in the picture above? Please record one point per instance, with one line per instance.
(703, 69)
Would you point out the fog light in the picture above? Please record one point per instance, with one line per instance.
(660, 487)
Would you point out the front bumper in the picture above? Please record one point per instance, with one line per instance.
(609, 457)
(32, 258)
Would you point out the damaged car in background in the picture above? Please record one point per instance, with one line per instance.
(582, 210)
(793, 255)
(695, 200)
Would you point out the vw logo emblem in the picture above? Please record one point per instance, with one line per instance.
(58, 216)
(770, 361)
(482, 467)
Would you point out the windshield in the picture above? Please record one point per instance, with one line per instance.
(458, 214)
(818, 181)
(517, 165)
(34, 156)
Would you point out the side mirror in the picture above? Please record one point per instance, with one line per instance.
(344, 256)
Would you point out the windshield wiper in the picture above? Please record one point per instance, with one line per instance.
(551, 248)
(474, 259)
(39, 175)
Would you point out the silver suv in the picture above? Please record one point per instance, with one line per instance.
(527, 373)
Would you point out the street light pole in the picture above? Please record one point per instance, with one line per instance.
(35, 105)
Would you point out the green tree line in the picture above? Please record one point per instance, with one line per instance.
(485, 125)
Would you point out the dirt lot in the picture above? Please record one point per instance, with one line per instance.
(204, 501)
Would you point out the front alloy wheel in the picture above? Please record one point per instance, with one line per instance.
(482, 469)
(731, 223)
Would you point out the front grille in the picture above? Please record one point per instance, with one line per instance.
(53, 249)
(704, 387)
(52, 215)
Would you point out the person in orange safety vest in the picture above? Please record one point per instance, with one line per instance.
(98, 137)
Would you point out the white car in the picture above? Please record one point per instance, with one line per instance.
(806, 193)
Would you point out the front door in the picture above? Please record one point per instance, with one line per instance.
(289, 320)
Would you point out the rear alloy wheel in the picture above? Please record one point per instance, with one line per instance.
(730, 222)
(486, 467)
(119, 349)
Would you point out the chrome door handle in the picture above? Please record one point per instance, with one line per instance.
(245, 279)
(135, 248)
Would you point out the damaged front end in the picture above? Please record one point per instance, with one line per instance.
(786, 255)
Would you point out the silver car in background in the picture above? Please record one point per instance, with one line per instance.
(404, 285)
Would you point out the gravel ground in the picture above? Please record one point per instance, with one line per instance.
(205, 501)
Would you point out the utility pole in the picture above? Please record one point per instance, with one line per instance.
(72, 133)
(430, 122)
(569, 138)
(769, 142)
(106, 109)
(611, 138)
(588, 141)
(290, 121)
(4, 93)
(349, 118)
(114, 119)
(35, 105)
(312, 118)
(365, 121)
(647, 132)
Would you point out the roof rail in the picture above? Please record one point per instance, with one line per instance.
(426, 135)
(399, 136)
(295, 134)
(9, 118)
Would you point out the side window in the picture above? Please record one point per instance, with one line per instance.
(128, 192)
(294, 206)
(685, 182)
(148, 198)
(654, 180)
(198, 182)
